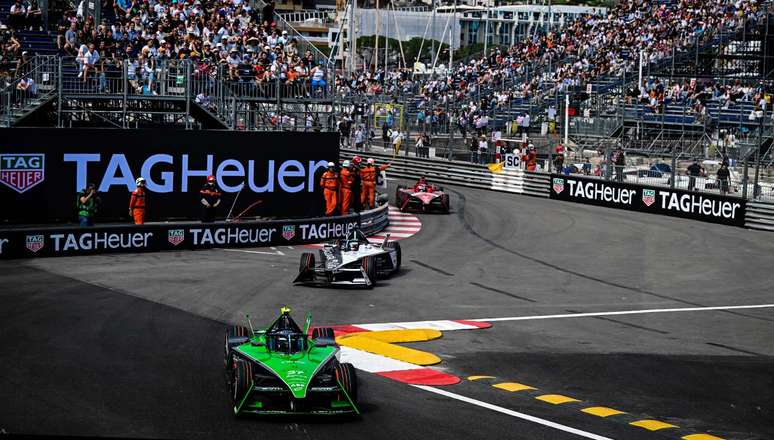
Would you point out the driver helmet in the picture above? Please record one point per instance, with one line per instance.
(352, 245)
(140, 181)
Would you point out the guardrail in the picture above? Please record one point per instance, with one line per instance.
(69, 240)
(461, 173)
(375, 220)
(760, 215)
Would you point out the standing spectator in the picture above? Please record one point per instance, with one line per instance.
(619, 161)
(359, 138)
(397, 139)
(483, 150)
(694, 170)
(724, 176)
(525, 124)
(385, 135)
(87, 204)
(473, 148)
(420, 145)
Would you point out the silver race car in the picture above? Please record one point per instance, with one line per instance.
(352, 261)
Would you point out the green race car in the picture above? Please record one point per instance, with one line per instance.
(284, 370)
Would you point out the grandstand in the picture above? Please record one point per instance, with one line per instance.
(667, 79)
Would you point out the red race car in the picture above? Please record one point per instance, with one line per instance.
(422, 196)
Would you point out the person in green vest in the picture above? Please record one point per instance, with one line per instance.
(87, 203)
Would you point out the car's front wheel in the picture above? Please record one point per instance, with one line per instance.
(242, 383)
(347, 377)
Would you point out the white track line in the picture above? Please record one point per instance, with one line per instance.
(512, 413)
(276, 252)
(624, 312)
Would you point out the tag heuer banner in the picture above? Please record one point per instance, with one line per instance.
(66, 241)
(273, 174)
(706, 207)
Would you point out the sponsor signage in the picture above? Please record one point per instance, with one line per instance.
(42, 170)
(21, 172)
(706, 207)
(66, 241)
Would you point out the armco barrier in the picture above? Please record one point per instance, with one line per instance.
(760, 215)
(705, 207)
(461, 173)
(68, 241)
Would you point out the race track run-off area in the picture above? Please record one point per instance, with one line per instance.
(512, 317)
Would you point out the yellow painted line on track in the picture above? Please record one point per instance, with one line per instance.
(513, 386)
(701, 437)
(652, 425)
(601, 411)
(382, 343)
(479, 377)
(398, 336)
(556, 399)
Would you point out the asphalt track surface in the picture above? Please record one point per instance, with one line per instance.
(131, 345)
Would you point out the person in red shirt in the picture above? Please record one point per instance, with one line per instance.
(330, 185)
(368, 176)
(137, 203)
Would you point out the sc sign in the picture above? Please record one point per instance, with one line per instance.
(291, 176)
(512, 161)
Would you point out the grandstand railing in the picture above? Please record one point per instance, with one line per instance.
(16, 103)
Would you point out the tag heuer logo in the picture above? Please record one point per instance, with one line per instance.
(558, 185)
(176, 236)
(35, 242)
(288, 232)
(648, 196)
(21, 172)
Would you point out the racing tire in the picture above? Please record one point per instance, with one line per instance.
(306, 265)
(369, 265)
(241, 384)
(347, 376)
(398, 254)
(235, 335)
(323, 332)
(445, 203)
(400, 198)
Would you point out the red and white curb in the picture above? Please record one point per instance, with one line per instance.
(398, 370)
(401, 226)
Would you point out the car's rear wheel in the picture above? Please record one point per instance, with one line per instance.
(347, 377)
(243, 381)
(400, 197)
(236, 335)
(445, 203)
(306, 266)
(369, 266)
(395, 245)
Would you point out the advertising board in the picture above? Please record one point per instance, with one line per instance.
(707, 207)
